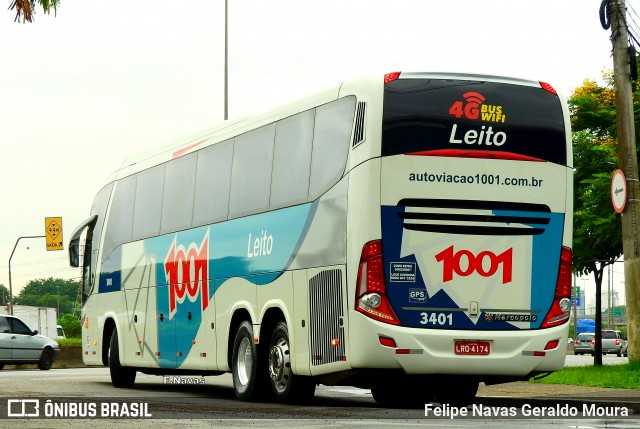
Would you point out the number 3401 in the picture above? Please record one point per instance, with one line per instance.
(436, 319)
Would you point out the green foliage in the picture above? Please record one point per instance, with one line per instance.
(70, 342)
(596, 227)
(4, 295)
(25, 9)
(71, 325)
(56, 293)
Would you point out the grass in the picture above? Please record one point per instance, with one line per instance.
(624, 376)
(70, 341)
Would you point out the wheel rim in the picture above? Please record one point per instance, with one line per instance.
(280, 365)
(245, 361)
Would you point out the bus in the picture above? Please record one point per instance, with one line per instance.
(408, 233)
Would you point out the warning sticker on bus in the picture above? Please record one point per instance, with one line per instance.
(402, 272)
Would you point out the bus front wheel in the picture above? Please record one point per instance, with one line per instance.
(121, 376)
(287, 387)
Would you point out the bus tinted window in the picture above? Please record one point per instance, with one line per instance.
(332, 132)
(251, 172)
(213, 181)
(423, 115)
(148, 205)
(99, 208)
(177, 200)
(120, 215)
(294, 139)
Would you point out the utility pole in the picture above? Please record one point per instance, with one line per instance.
(628, 163)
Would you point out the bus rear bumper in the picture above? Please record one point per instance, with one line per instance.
(433, 351)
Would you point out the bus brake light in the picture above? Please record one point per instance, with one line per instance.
(390, 77)
(548, 87)
(371, 290)
(561, 307)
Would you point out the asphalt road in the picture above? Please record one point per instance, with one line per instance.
(214, 403)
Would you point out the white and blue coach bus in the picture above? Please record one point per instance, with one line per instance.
(407, 233)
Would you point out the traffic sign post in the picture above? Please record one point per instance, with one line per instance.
(53, 233)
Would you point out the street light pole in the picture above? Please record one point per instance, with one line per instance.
(226, 60)
(10, 285)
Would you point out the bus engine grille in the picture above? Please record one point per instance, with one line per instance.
(326, 327)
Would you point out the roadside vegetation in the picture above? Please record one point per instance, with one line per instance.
(624, 376)
(70, 342)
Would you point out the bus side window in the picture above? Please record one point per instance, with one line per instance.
(177, 198)
(251, 172)
(213, 182)
(148, 205)
(332, 134)
(292, 160)
(120, 216)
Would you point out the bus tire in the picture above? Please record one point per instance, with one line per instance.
(248, 383)
(46, 360)
(287, 387)
(457, 391)
(121, 376)
(403, 392)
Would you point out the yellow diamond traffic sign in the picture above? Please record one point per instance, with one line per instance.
(53, 233)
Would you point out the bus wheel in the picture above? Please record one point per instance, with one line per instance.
(248, 383)
(287, 387)
(457, 392)
(403, 392)
(121, 376)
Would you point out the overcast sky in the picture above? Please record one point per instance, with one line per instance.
(105, 79)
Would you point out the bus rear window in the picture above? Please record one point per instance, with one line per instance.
(444, 117)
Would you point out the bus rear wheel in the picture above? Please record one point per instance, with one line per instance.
(121, 376)
(249, 383)
(287, 387)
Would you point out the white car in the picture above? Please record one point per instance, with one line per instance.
(20, 345)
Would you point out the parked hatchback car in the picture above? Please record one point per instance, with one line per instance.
(20, 345)
(584, 343)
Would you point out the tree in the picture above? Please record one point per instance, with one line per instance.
(56, 293)
(4, 295)
(26, 8)
(597, 228)
(71, 325)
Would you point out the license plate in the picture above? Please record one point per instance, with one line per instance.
(472, 347)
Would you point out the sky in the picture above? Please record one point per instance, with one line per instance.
(104, 80)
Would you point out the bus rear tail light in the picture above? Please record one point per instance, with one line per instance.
(548, 87)
(561, 307)
(390, 77)
(371, 290)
